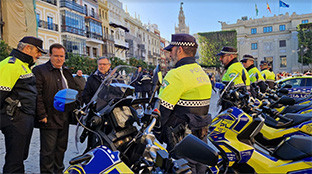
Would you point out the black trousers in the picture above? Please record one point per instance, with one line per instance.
(17, 139)
(53, 144)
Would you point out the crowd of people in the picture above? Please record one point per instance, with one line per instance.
(27, 96)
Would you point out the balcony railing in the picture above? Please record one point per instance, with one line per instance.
(108, 37)
(72, 5)
(94, 35)
(53, 2)
(70, 29)
(46, 25)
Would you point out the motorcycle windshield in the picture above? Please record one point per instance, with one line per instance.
(115, 85)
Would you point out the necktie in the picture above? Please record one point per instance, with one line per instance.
(64, 81)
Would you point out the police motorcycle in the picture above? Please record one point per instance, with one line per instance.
(277, 126)
(233, 132)
(272, 98)
(117, 144)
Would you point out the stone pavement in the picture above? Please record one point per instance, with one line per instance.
(32, 162)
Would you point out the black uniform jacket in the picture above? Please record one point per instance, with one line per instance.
(49, 82)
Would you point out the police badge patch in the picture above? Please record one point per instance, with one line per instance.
(232, 75)
(165, 83)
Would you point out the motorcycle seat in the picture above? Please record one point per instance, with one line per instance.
(298, 118)
(296, 108)
(294, 148)
(298, 100)
(292, 120)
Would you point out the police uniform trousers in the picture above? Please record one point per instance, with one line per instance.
(53, 143)
(17, 135)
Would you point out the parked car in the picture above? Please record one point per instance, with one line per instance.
(301, 85)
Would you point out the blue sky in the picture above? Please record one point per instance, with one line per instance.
(203, 15)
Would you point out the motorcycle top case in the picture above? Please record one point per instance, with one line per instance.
(103, 160)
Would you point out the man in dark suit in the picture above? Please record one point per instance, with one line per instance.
(54, 125)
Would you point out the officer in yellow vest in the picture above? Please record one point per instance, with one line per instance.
(228, 57)
(184, 95)
(18, 101)
(267, 74)
(254, 74)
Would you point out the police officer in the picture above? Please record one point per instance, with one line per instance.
(228, 57)
(267, 74)
(254, 73)
(184, 95)
(18, 101)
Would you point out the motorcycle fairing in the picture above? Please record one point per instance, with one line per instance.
(242, 144)
(304, 128)
(103, 160)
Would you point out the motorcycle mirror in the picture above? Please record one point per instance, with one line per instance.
(195, 149)
(63, 98)
(285, 100)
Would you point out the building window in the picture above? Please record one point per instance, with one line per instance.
(94, 50)
(50, 23)
(254, 46)
(73, 23)
(86, 9)
(282, 43)
(88, 51)
(267, 29)
(282, 27)
(253, 30)
(92, 12)
(305, 21)
(38, 19)
(283, 61)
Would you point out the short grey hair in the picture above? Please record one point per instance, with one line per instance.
(100, 58)
(22, 45)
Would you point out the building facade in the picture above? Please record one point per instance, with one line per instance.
(182, 28)
(108, 46)
(153, 44)
(73, 28)
(48, 22)
(118, 29)
(91, 28)
(94, 32)
(273, 39)
(135, 37)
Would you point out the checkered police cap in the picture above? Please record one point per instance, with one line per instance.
(247, 57)
(227, 50)
(181, 40)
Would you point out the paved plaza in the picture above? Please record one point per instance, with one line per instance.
(32, 162)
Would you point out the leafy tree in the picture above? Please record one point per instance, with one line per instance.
(151, 67)
(135, 62)
(211, 43)
(5, 50)
(305, 43)
(115, 61)
(76, 62)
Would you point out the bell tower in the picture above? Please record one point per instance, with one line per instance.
(181, 28)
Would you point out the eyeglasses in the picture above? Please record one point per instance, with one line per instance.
(104, 64)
